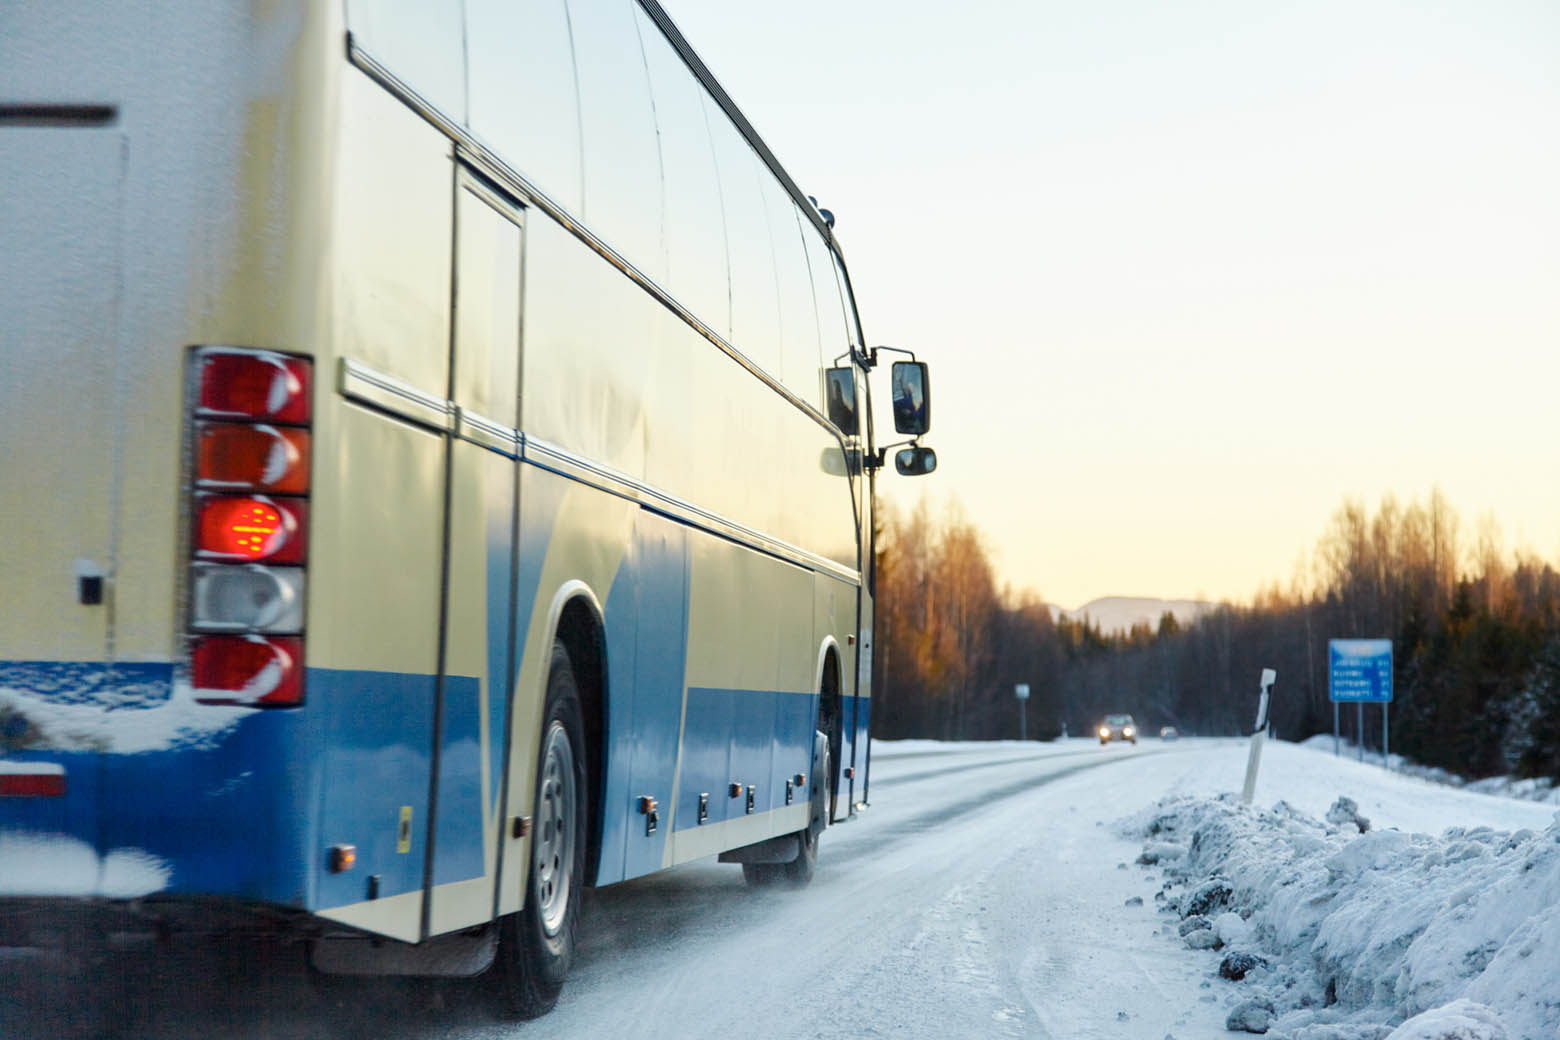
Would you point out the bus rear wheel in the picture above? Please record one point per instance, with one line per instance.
(536, 946)
(799, 871)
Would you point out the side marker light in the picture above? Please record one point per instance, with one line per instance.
(342, 858)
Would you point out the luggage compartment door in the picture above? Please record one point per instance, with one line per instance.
(479, 664)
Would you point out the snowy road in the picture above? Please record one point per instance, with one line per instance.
(984, 894)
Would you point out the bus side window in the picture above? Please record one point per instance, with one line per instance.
(842, 399)
(622, 153)
(755, 300)
(697, 272)
(421, 41)
(523, 98)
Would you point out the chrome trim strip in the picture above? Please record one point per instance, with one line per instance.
(362, 383)
(566, 463)
(484, 432)
(359, 382)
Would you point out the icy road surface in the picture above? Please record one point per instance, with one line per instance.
(986, 893)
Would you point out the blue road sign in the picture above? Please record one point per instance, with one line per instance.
(1359, 670)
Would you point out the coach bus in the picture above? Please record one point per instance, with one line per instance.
(438, 476)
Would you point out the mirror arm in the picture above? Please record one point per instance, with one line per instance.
(874, 460)
(869, 358)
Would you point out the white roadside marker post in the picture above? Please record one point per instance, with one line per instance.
(1254, 758)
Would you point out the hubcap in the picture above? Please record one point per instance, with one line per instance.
(552, 849)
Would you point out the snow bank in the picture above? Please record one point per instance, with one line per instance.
(1349, 934)
(1539, 789)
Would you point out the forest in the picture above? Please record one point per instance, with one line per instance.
(1475, 630)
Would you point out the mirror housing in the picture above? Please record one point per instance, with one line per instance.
(912, 398)
(840, 399)
(837, 463)
(915, 461)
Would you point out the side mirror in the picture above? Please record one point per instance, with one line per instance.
(837, 463)
(912, 398)
(915, 462)
(840, 390)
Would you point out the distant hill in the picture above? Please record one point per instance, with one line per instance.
(1120, 613)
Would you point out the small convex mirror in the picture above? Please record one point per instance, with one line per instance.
(840, 389)
(915, 462)
(912, 399)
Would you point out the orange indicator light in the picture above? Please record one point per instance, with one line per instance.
(241, 529)
(240, 455)
(342, 858)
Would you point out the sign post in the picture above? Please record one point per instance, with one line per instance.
(1021, 691)
(1360, 671)
(1258, 736)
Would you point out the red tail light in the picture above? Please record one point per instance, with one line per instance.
(243, 455)
(32, 780)
(249, 422)
(251, 528)
(254, 385)
(248, 670)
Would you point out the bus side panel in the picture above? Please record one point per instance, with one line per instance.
(647, 704)
(377, 523)
(746, 613)
(479, 593)
(573, 543)
(476, 686)
(373, 643)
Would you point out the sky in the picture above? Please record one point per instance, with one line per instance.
(1188, 274)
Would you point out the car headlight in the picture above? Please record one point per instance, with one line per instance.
(1128, 731)
(1104, 731)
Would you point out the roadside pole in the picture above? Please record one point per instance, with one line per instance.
(1021, 691)
(1254, 757)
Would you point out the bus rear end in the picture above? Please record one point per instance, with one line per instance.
(156, 209)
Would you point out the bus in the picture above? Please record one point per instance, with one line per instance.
(438, 477)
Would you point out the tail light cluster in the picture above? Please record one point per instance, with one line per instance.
(250, 542)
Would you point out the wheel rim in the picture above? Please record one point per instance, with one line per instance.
(552, 855)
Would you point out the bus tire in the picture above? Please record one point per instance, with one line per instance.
(536, 946)
(799, 871)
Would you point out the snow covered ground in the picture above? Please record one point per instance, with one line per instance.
(1537, 789)
(993, 890)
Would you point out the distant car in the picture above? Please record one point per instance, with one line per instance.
(1168, 733)
(1118, 727)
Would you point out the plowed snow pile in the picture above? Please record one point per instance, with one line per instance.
(1344, 932)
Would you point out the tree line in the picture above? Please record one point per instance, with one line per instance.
(1475, 631)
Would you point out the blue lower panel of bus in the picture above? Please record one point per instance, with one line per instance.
(160, 795)
(188, 799)
(167, 796)
(746, 737)
(458, 854)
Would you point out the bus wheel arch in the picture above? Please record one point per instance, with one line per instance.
(831, 711)
(580, 629)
